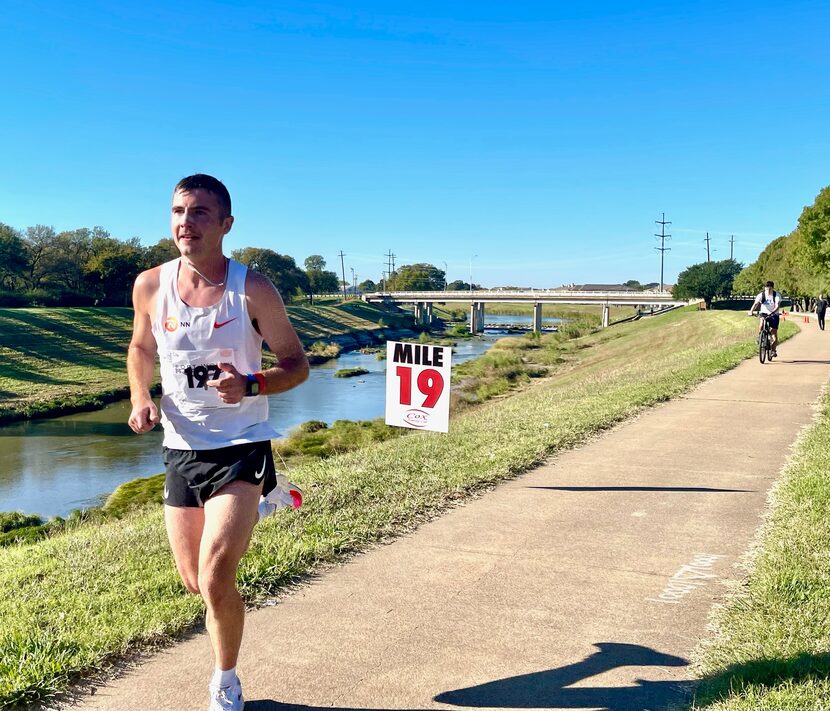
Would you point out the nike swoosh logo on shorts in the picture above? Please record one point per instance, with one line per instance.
(166, 492)
(219, 324)
(258, 475)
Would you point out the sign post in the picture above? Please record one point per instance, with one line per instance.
(418, 386)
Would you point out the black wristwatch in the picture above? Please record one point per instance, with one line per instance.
(252, 385)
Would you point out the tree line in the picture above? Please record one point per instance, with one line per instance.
(88, 266)
(81, 267)
(798, 263)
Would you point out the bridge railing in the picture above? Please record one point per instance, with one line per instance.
(532, 293)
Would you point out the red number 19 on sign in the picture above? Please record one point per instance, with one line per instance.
(430, 383)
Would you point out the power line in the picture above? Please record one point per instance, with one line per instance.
(662, 248)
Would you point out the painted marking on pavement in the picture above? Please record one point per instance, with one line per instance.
(688, 579)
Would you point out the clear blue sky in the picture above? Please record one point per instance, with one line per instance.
(545, 138)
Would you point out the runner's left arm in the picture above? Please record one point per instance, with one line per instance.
(269, 317)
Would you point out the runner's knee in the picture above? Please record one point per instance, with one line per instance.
(216, 586)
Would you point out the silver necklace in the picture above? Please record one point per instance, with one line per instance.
(209, 281)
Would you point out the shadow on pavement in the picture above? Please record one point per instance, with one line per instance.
(703, 489)
(552, 688)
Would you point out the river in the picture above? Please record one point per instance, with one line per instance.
(53, 466)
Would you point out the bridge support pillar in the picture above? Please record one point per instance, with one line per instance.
(428, 314)
(537, 317)
(606, 311)
(477, 317)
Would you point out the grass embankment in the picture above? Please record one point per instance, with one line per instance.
(772, 651)
(59, 360)
(324, 322)
(71, 603)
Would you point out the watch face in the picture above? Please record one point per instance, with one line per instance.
(255, 388)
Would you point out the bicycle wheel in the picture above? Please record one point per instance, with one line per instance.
(763, 346)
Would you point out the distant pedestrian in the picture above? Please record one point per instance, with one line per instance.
(821, 308)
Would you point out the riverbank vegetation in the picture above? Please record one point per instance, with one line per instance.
(770, 653)
(74, 602)
(61, 360)
(350, 372)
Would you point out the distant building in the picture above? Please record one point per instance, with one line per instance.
(594, 287)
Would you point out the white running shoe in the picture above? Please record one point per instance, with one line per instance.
(283, 494)
(226, 698)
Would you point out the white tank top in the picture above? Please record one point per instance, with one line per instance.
(191, 341)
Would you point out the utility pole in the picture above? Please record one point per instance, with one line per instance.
(732, 247)
(708, 259)
(343, 272)
(390, 263)
(662, 248)
(354, 282)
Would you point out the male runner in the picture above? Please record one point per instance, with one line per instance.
(207, 317)
(768, 303)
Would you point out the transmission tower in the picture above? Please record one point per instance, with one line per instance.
(732, 247)
(662, 248)
(390, 264)
(708, 258)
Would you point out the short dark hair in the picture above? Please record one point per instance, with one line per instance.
(200, 181)
(770, 284)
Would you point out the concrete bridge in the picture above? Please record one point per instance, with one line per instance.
(423, 301)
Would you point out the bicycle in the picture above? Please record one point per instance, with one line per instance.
(765, 340)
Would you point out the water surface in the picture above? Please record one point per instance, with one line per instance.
(53, 466)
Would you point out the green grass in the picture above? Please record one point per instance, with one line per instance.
(350, 372)
(772, 650)
(320, 352)
(321, 322)
(60, 360)
(317, 440)
(73, 602)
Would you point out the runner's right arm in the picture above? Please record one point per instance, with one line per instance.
(141, 355)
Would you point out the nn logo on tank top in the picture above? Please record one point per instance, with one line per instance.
(171, 323)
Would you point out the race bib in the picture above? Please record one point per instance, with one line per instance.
(189, 373)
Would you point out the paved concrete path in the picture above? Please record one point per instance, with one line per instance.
(584, 584)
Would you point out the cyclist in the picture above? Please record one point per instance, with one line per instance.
(768, 302)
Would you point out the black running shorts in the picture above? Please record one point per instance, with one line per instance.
(193, 476)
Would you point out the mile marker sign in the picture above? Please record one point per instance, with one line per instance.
(418, 386)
